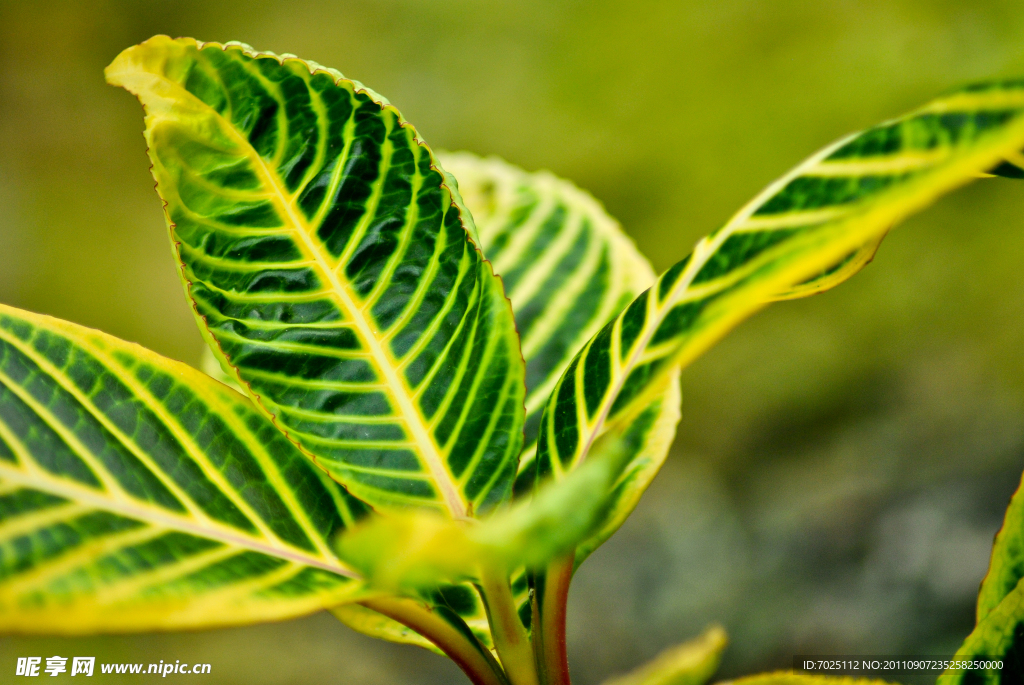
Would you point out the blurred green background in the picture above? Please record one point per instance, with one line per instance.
(843, 461)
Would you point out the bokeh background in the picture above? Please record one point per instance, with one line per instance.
(843, 461)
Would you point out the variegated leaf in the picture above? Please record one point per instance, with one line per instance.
(999, 638)
(1012, 166)
(330, 267)
(830, 207)
(648, 438)
(136, 493)
(567, 267)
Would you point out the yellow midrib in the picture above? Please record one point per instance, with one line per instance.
(82, 495)
(386, 366)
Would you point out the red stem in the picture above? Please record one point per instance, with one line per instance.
(550, 599)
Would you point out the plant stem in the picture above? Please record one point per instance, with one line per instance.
(457, 642)
(550, 597)
(510, 638)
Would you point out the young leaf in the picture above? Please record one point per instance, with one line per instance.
(835, 204)
(1006, 567)
(566, 265)
(136, 493)
(329, 265)
(997, 637)
(420, 549)
(691, 663)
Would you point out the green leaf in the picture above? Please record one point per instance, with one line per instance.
(835, 204)
(834, 275)
(1006, 567)
(462, 600)
(1012, 166)
(329, 264)
(647, 438)
(999, 636)
(567, 267)
(691, 663)
(136, 493)
(369, 622)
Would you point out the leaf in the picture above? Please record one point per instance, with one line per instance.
(1006, 567)
(567, 267)
(691, 663)
(420, 549)
(648, 438)
(369, 622)
(999, 636)
(570, 268)
(461, 600)
(835, 274)
(791, 678)
(329, 265)
(136, 493)
(1011, 166)
(831, 206)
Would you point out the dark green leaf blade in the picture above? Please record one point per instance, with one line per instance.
(329, 264)
(136, 494)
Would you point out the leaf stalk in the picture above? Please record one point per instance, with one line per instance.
(460, 646)
(510, 637)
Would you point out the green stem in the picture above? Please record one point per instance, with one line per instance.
(510, 638)
(550, 599)
(449, 633)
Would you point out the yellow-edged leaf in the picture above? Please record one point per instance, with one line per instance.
(330, 267)
(833, 205)
(137, 493)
